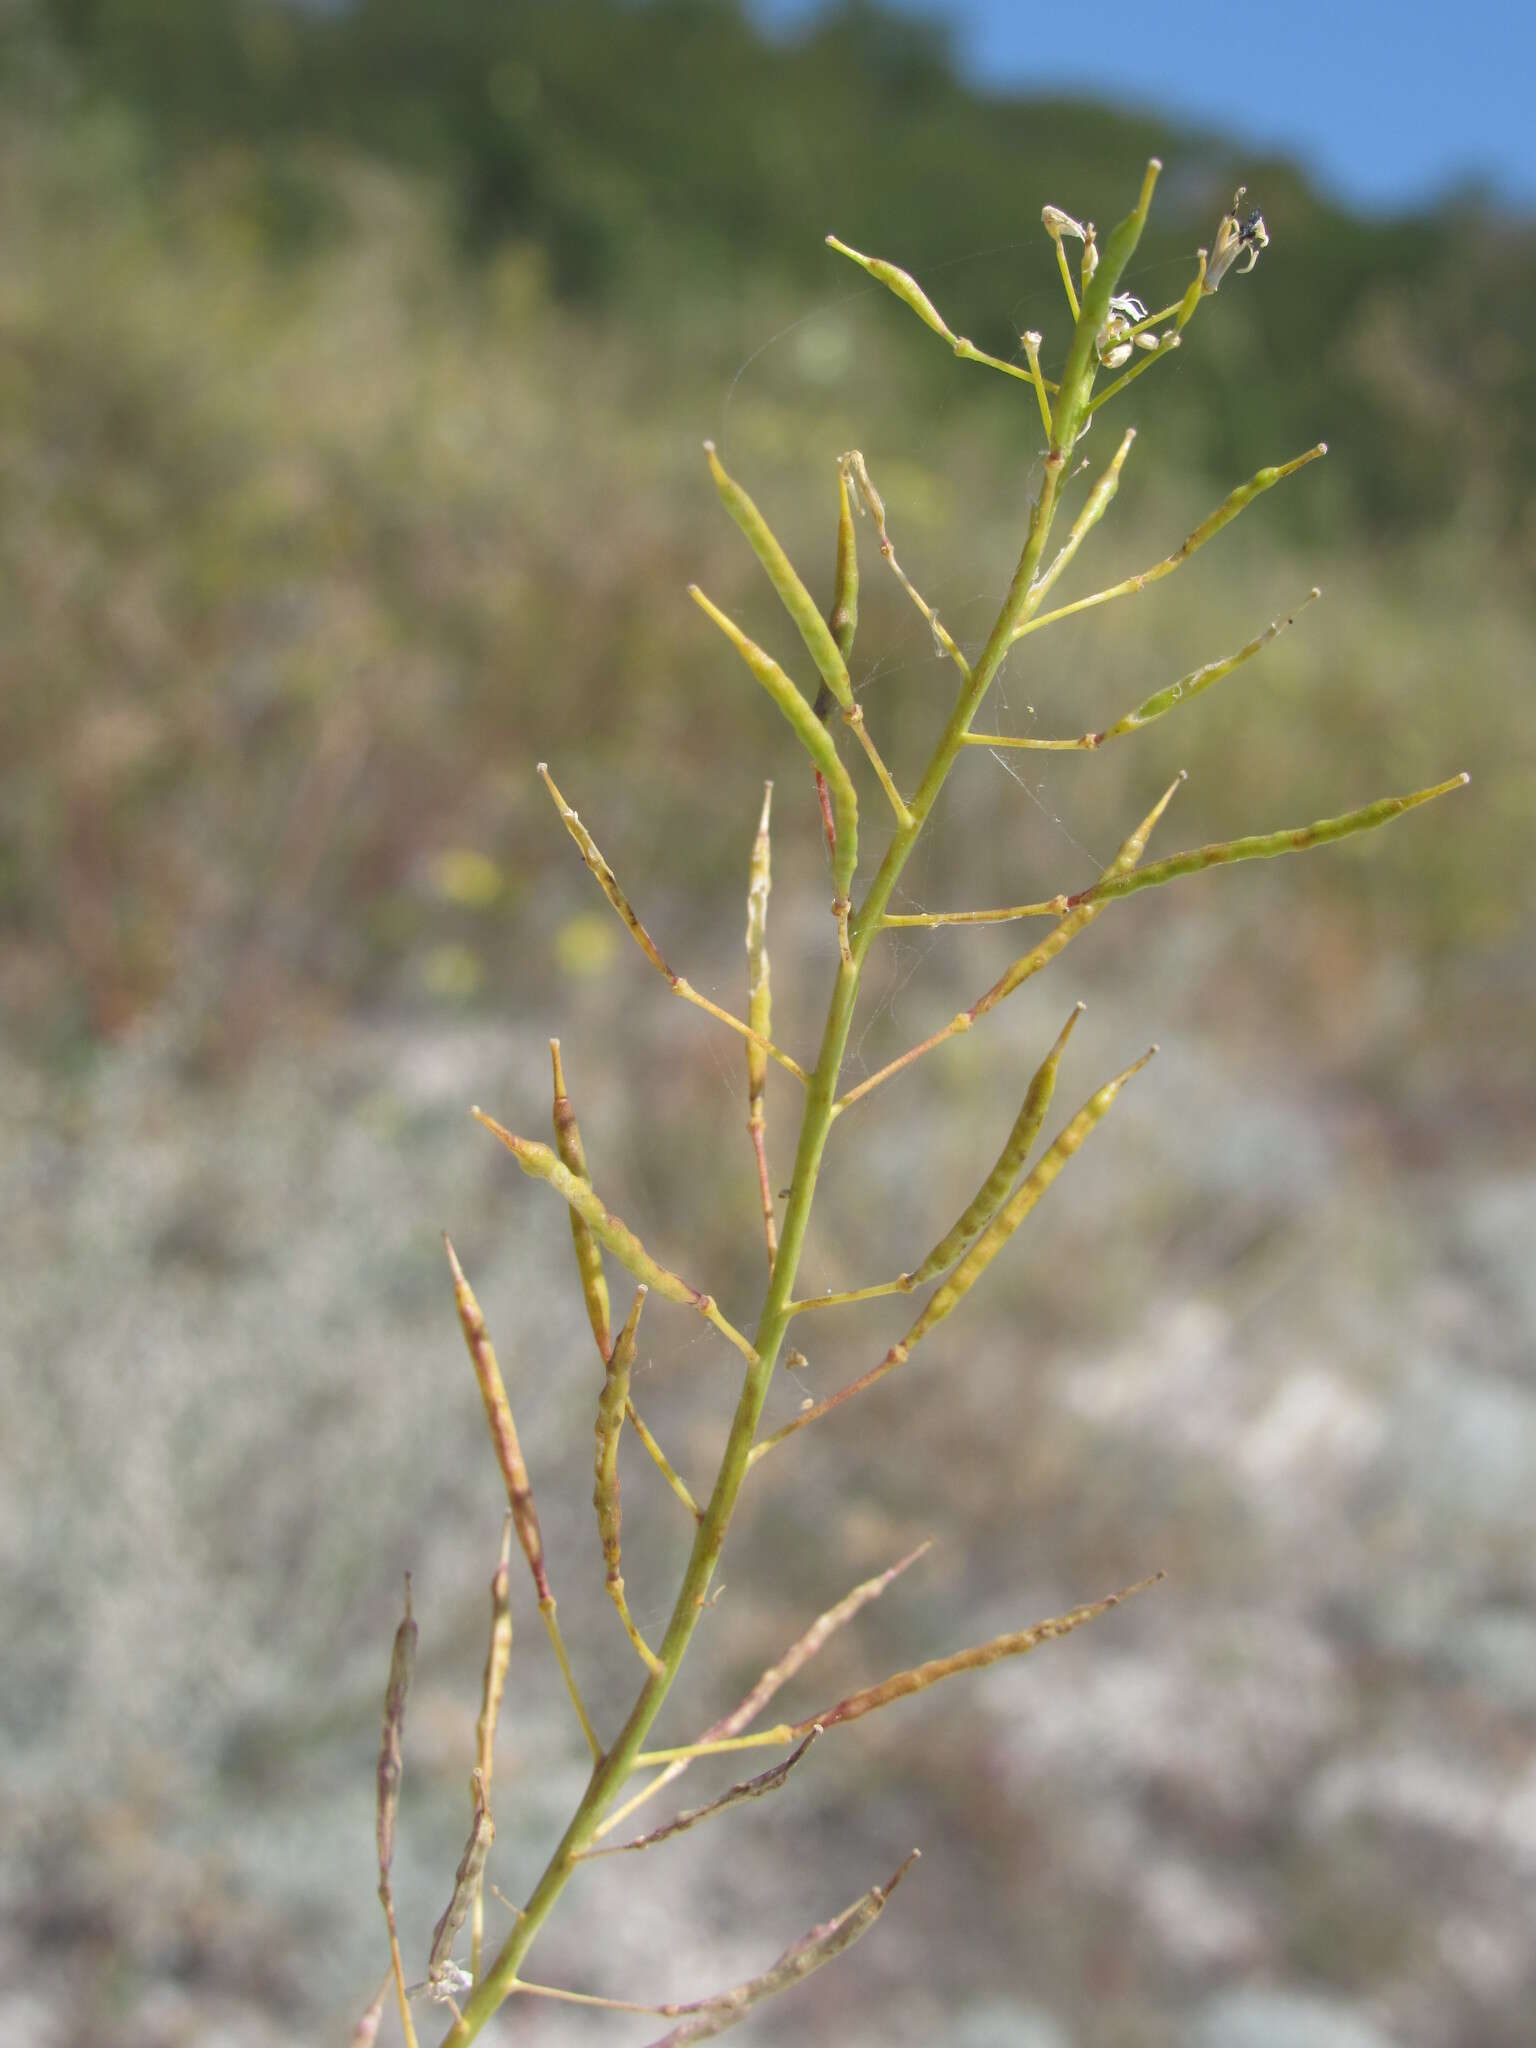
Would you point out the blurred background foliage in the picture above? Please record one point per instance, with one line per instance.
(353, 362)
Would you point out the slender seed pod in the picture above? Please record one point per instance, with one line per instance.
(903, 1685)
(901, 283)
(843, 619)
(714, 2016)
(690, 1817)
(612, 1232)
(607, 1492)
(970, 1269)
(606, 1497)
(589, 1257)
(856, 470)
(794, 1660)
(467, 1880)
(1265, 845)
(498, 1415)
(1082, 357)
(1075, 907)
(1193, 296)
(402, 1662)
(498, 1657)
(493, 1685)
(514, 1473)
(1240, 499)
(1099, 500)
(1017, 1644)
(842, 623)
(1135, 846)
(605, 878)
(833, 777)
(1234, 502)
(910, 292)
(1159, 704)
(607, 881)
(1195, 683)
(1076, 914)
(807, 728)
(820, 642)
(994, 1190)
(1007, 1219)
(759, 989)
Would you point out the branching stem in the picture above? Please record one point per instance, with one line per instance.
(1068, 415)
(615, 1766)
(1235, 502)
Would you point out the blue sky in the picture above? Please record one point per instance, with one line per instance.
(1386, 106)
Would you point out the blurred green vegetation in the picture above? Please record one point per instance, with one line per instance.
(652, 149)
(353, 364)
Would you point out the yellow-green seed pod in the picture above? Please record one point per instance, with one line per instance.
(1099, 287)
(808, 729)
(1265, 845)
(843, 618)
(610, 1425)
(820, 643)
(899, 281)
(589, 1257)
(611, 1231)
(606, 1494)
(1187, 688)
(995, 1189)
(1007, 1220)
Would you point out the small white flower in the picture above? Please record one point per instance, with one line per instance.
(1236, 237)
(1115, 340)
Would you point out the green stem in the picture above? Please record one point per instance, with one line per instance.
(615, 1766)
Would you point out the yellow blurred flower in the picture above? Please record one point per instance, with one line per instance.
(585, 944)
(461, 875)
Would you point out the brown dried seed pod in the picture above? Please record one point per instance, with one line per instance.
(466, 1881)
(402, 1662)
(498, 1414)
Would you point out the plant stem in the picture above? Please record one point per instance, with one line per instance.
(612, 1769)
(615, 1766)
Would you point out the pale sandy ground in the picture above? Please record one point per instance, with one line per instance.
(1257, 1337)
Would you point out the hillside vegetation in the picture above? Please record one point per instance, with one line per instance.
(355, 363)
